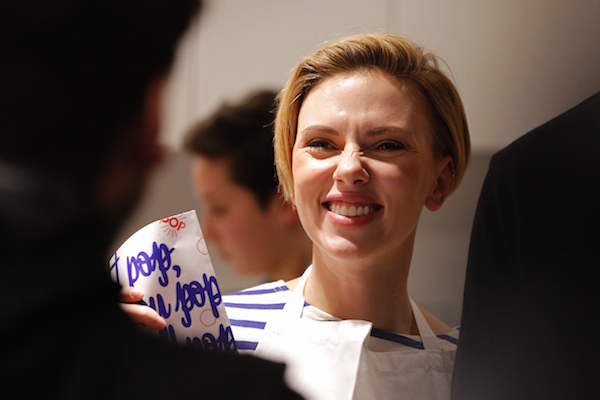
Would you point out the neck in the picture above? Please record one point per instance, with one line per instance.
(368, 289)
(298, 256)
(291, 268)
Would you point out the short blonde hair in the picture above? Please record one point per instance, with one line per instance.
(393, 55)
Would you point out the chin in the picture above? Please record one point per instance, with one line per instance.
(343, 248)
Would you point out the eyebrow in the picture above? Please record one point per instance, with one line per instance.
(378, 131)
(320, 129)
(387, 129)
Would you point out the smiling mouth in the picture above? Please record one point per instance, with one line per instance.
(351, 210)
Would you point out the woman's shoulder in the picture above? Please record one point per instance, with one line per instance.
(250, 310)
(438, 326)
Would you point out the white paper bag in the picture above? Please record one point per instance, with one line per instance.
(168, 261)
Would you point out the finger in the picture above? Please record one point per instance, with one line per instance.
(144, 315)
(130, 295)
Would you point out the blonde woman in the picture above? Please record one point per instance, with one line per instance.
(369, 131)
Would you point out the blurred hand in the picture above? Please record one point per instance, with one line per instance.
(140, 313)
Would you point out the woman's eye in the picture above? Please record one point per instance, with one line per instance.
(320, 144)
(389, 145)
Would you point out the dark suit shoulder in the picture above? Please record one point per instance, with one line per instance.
(573, 132)
(582, 118)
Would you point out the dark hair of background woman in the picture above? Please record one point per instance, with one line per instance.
(241, 133)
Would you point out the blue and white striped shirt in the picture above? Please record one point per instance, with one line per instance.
(250, 311)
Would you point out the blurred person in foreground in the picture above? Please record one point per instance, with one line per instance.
(531, 290)
(81, 87)
(242, 213)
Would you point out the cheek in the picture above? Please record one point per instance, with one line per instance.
(306, 193)
(298, 180)
(309, 209)
(311, 174)
(245, 222)
(409, 182)
(301, 191)
(390, 178)
(234, 228)
(302, 194)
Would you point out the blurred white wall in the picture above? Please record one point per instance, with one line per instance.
(515, 63)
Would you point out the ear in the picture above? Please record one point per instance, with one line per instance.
(443, 184)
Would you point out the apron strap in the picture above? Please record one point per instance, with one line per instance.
(293, 307)
(430, 340)
(295, 304)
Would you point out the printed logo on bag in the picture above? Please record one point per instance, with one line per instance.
(172, 226)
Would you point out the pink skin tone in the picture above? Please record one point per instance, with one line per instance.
(364, 140)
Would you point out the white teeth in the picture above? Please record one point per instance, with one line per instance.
(350, 210)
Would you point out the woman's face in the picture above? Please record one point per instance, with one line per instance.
(363, 165)
(244, 234)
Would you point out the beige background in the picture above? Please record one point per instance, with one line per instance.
(515, 63)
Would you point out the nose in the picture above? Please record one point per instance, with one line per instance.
(350, 170)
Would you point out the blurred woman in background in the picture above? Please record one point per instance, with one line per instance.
(242, 214)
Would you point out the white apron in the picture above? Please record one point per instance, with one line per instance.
(329, 359)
